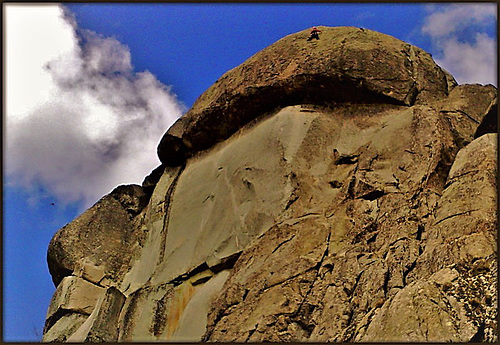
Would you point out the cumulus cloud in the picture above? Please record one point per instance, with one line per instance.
(80, 120)
(459, 33)
(471, 62)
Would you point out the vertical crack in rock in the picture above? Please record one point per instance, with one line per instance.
(127, 316)
(479, 337)
(420, 230)
(301, 314)
(489, 123)
(412, 94)
(355, 286)
(352, 182)
(105, 324)
(168, 202)
(407, 270)
(387, 276)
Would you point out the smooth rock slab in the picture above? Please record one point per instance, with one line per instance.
(232, 194)
(170, 313)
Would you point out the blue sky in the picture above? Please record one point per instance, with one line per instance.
(89, 94)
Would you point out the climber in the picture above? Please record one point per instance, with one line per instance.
(314, 34)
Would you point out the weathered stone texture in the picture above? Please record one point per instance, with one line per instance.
(349, 199)
(344, 66)
(102, 238)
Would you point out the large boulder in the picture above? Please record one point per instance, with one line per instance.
(332, 190)
(98, 243)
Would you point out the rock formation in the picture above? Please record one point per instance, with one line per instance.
(334, 190)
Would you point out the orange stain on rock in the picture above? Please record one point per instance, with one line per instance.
(176, 307)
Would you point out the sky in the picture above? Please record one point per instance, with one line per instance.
(89, 90)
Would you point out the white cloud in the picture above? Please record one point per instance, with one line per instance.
(79, 120)
(457, 32)
(447, 19)
(470, 62)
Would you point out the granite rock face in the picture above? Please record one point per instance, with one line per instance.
(346, 65)
(334, 190)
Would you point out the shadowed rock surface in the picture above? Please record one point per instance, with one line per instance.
(344, 66)
(334, 190)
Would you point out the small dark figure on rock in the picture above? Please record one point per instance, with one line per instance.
(314, 33)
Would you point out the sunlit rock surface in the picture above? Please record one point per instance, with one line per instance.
(334, 190)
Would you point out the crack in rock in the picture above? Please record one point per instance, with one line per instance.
(454, 215)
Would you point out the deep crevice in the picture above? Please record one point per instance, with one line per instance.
(408, 270)
(420, 230)
(292, 199)
(57, 272)
(387, 276)
(375, 194)
(183, 277)
(149, 183)
(226, 263)
(245, 294)
(350, 293)
(372, 238)
(251, 332)
(489, 123)
(479, 336)
(335, 184)
(350, 187)
(346, 159)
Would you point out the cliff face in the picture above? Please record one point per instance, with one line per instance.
(334, 190)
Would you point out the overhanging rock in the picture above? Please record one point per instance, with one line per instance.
(346, 65)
